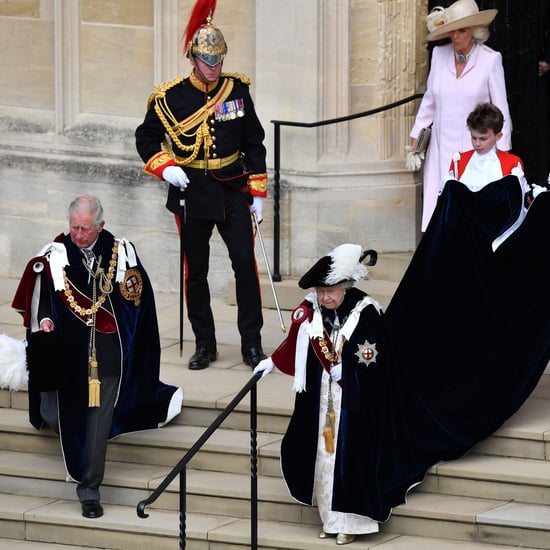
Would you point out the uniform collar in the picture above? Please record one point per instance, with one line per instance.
(201, 85)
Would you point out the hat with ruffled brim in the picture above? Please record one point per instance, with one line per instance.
(459, 15)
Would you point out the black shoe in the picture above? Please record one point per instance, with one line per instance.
(91, 509)
(252, 356)
(201, 359)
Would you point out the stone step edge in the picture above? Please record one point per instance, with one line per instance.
(272, 489)
(124, 520)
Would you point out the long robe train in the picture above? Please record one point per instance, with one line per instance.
(470, 339)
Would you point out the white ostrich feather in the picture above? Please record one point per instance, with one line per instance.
(13, 363)
(345, 264)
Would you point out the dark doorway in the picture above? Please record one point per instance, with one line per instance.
(520, 32)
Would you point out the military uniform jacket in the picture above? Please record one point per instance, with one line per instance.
(185, 125)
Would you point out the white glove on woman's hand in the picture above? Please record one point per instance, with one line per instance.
(336, 372)
(175, 176)
(265, 366)
(256, 207)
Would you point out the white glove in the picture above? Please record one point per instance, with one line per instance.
(336, 372)
(265, 366)
(256, 207)
(175, 176)
(413, 161)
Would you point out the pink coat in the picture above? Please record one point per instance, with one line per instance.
(446, 105)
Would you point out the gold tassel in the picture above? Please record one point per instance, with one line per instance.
(332, 421)
(329, 439)
(93, 383)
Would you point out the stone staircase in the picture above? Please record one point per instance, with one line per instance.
(496, 497)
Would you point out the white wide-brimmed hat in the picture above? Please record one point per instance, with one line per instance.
(459, 15)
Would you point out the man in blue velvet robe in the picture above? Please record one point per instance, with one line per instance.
(93, 346)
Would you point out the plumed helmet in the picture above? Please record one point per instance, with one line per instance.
(202, 38)
(343, 264)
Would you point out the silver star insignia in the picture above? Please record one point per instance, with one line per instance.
(366, 353)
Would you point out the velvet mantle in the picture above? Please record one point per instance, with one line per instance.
(143, 399)
(299, 445)
(470, 338)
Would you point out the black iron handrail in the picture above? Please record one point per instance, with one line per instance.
(276, 275)
(180, 467)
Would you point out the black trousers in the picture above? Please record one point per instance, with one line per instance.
(98, 426)
(237, 234)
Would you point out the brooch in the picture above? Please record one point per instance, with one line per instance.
(366, 353)
(132, 286)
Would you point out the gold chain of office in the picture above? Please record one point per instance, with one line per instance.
(105, 289)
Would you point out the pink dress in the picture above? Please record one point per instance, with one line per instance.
(446, 105)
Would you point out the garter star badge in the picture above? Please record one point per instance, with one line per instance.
(132, 286)
(366, 353)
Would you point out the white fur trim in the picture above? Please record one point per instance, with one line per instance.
(13, 363)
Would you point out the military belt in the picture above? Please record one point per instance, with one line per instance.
(211, 164)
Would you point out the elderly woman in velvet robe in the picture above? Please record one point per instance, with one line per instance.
(332, 352)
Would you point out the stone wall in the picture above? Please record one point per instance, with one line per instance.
(74, 81)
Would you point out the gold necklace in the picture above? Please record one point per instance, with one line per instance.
(105, 289)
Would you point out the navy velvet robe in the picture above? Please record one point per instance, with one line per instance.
(467, 338)
(470, 338)
(143, 399)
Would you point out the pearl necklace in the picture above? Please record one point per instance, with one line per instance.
(461, 58)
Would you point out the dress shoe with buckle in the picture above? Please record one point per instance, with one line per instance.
(325, 535)
(91, 509)
(201, 359)
(252, 356)
(342, 538)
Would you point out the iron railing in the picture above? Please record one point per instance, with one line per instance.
(276, 275)
(180, 467)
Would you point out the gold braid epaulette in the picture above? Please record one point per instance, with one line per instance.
(160, 90)
(237, 76)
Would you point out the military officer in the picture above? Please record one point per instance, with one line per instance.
(202, 136)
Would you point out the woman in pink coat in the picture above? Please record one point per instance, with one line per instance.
(463, 73)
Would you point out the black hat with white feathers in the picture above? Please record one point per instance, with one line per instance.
(343, 264)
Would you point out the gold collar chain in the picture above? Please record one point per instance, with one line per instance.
(84, 312)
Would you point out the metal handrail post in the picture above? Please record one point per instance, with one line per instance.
(253, 469)
(276, 275)
(183, 508)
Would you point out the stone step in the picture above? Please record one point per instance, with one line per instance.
(462, 523)
(473, 476)
(227, 450)
(525, 435)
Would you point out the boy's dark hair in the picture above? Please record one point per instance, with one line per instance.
(485, 116)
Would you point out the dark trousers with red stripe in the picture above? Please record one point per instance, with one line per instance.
(237, 233)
